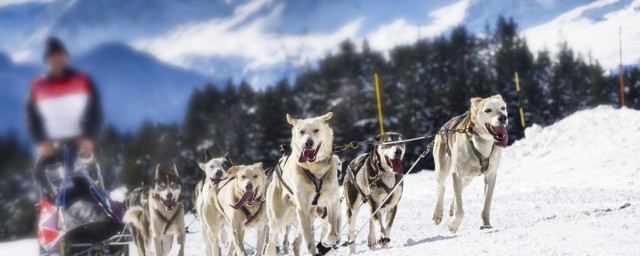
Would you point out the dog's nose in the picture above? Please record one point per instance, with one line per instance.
(219, 174)
(169, 195)
(398, 152)
(309, 143)
(502, 118)
(249, 187)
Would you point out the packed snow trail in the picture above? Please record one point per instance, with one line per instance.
(560, 192)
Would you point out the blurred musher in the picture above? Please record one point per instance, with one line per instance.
(63, 109)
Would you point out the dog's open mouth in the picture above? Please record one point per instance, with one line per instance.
(309, 154)
(248, 198)
(499, 134)
(396, 164)
(215, 181)
(170, 204)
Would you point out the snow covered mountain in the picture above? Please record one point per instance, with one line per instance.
(567, 189)
(263, 35)
(264, 40)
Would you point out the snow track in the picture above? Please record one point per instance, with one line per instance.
(572, 188)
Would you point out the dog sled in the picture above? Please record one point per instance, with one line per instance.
(80, 219)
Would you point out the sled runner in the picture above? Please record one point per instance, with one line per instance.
(81, 220)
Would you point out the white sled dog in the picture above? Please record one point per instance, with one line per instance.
(370, 178)
(240, 202)
(162, 218)
(216, 171)
(305, 183)
(468, 146)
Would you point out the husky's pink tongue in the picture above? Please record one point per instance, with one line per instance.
(396, 165)
(306, 155)
(248, 195)
(309, 154)
(169, 203)
(501, 136)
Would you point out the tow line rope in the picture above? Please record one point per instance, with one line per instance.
(357, 144)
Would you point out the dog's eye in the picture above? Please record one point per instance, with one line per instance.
(255, 176)
(316, 130)
(244, 177)
(301, 132)
(503, 108)
(487, 110)
(211, 167)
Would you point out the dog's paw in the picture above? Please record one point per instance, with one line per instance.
(454, 225)
(485, 227)
(437, 218)
(371, 243)
(383, 241)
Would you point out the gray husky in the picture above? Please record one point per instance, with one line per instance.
(162, 218)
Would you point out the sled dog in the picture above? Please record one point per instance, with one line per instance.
(468, 146)
(162, 218)
(139, 198)
(240, 203)
(370, 178)
(305, 183)
(216, 171)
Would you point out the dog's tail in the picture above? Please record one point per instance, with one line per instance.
(133, 217)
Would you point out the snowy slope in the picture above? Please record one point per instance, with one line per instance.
(559, 192)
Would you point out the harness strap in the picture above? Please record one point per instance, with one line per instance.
(247, 213)
(447, 130)
(167, 222)
(278, 171)
(218, 187)
(353, 173)
(317, 182)
(484, 162)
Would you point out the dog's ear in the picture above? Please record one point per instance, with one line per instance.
(259, 165)
(291, 121)
(203, 166)
(497, 96)
(327, 116)
(227, 157)
(233, 170)
(207, 155)
(174, 170)
(475, 102)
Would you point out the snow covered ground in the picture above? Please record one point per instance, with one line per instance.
(572, 188)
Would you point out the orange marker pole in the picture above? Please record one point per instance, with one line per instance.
(521, 110)
(375, 78)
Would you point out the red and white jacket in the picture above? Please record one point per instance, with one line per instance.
(63, 108)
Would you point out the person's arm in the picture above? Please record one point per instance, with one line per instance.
(34, 121)
(93, 115)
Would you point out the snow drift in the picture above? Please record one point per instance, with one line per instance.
(571, 188)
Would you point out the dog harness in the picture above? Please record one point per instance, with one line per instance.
(250, 217)
(450, 128)
(278, 171)
(167, 221)
(484, 162)
(317, 182)
(372, 181)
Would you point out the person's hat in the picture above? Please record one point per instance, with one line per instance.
(54, 46)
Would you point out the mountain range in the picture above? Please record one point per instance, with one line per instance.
(147, 56)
